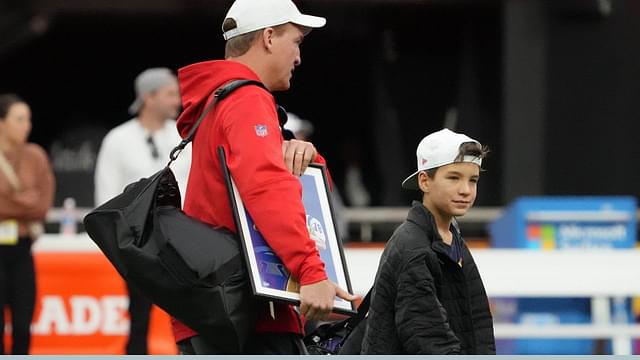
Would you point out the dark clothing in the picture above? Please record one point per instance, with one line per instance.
(455, 249)
(196, 345)
(18, 291)
(260, 344)
(139, 314)
(185, 347)
(31, 175)
(276, 344)
(422, 301)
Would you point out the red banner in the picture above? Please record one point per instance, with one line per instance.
(81, 308)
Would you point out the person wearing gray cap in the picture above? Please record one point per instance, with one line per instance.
(135, 149)
(263, 44)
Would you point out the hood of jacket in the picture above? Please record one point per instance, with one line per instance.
(199, 81)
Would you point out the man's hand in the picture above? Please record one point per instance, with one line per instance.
(316, 300)
(297, 155)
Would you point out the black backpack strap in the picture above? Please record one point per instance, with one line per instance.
(218, 95)
(363, 309)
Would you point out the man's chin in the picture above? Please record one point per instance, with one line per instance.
(281, 87)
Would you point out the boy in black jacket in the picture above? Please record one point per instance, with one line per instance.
(428, 297)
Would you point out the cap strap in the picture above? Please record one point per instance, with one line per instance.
(473, 159)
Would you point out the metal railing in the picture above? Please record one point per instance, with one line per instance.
(366, 218)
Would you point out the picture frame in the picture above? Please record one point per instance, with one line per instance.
(269, 277)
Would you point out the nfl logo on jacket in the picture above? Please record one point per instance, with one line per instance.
(261, 130)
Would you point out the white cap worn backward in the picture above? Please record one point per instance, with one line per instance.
(438, 149)
(251, 15)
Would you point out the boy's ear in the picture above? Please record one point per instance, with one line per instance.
(423, 181)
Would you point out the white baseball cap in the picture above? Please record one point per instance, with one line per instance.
(251, 15)
(438, 149)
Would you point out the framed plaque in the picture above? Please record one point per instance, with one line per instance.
(269, 277)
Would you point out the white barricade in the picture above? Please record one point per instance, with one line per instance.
(596, 274)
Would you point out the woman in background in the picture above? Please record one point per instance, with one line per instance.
(26, 194)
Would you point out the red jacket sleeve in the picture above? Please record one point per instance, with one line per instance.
(271, 194)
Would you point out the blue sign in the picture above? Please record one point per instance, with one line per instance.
(566, 222)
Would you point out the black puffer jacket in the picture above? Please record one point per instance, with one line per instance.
(423, 302)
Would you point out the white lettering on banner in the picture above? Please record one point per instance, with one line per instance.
(89, 315)
(85, 315)
(53, 313)
(613, 232)
(113, 320)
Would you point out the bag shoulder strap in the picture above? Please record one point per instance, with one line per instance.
(363, 309)
(9, 173)
(218, 95)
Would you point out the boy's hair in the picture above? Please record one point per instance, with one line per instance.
(466, 149)
(6, 101)
(239, 45)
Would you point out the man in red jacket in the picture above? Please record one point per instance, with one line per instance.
(263, 39)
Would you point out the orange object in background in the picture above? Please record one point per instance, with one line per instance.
(81, 308)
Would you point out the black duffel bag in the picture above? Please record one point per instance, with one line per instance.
(192, 271)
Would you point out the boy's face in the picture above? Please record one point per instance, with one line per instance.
(452, 191)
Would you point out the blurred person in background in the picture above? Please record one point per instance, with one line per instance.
(137, 149)
(263, 44)
(428, 297)
(302, 129)
(355, 191)
(26, 194)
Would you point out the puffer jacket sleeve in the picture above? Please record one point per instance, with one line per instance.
(481, 313)
(421, 319)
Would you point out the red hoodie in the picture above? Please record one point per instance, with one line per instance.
(246, 124)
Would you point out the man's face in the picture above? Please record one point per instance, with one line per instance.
(452, 191)
(165, 101)
(286, 55)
